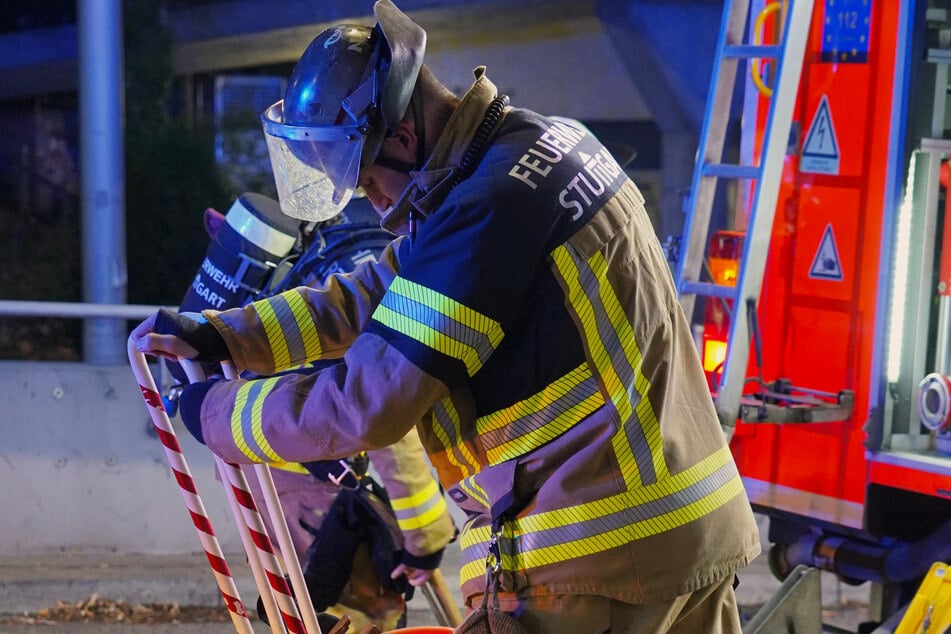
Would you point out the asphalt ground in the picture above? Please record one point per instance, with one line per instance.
(29, 584)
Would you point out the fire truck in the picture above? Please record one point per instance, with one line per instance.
(815, 266)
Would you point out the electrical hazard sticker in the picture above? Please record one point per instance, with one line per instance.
(827, 265)
(820, 152)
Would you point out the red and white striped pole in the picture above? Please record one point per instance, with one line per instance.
(176, 460)
(272, 503)
(283, 614)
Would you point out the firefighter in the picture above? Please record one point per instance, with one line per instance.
(363, 546)
(355, 537)
(525, 314)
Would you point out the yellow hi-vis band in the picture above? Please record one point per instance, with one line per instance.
(519, 429)
(246, 423)
(448, 429)
(439, 322)
(290, 329)
(562, 534)
(613, 348)
(420, 509)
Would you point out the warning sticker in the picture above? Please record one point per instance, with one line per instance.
(827, 265)
(820, 152)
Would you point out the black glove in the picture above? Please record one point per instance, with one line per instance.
(328, 562)
(201, 336)
(189, 407)
(422, 562)
(356, 515)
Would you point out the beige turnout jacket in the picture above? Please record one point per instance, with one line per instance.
(531, 331)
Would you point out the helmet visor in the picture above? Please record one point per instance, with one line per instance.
(315, 167)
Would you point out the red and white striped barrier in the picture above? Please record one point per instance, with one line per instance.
(283, 614)
(176, 460)
(279, 525)
(286, 615)
(268, 574)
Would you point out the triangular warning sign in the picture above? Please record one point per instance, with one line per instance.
(827, 265)
(820, 152)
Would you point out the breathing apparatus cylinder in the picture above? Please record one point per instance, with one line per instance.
(243, 256)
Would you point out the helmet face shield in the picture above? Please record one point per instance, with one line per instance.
(315, 167)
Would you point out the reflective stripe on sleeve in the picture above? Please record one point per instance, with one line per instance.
(420, 509)
(291, 467)
(290, 329)
(439, 322)
(246, 423)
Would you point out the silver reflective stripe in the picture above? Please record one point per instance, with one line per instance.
(610, 339)
(448, 429)
(439, 322)
(257, 231)
(532, 422)
(557, 535)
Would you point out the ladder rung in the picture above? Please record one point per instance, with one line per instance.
(750, 51)
(727, 170)
(707, 289)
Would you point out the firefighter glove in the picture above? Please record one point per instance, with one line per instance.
(200, 335)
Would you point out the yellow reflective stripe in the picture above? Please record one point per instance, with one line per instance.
(587, 519)
(649, 493)
(274, 332)
(621, 391)
(521, 425)
(427, 517)
(439, 322)
(305, 327)
(474, 490)
(625, 333)
(417, 499)
(641, 529)
(457, 452)
(246, 423)
(292, 467)
(602, 360)
(549, 431)
(290, 329)
(240, 401)
(429, 337)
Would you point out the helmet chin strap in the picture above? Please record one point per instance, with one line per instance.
(416, 103)
(405, 167)
(396, 165)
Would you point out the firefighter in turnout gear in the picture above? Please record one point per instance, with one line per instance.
(524, 320)
(337, 511)
(350, 533)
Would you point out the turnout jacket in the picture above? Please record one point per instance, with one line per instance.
(422, 516)
(532, 325)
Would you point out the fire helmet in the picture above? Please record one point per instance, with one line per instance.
(351, 86)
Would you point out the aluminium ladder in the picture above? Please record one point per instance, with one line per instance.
(764, 178)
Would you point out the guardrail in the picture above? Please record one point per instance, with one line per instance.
(104, 336)
(78, 310)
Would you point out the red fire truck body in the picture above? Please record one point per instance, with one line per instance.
(850, 314)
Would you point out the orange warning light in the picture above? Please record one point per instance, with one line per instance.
(726, 247)
(714, 353)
